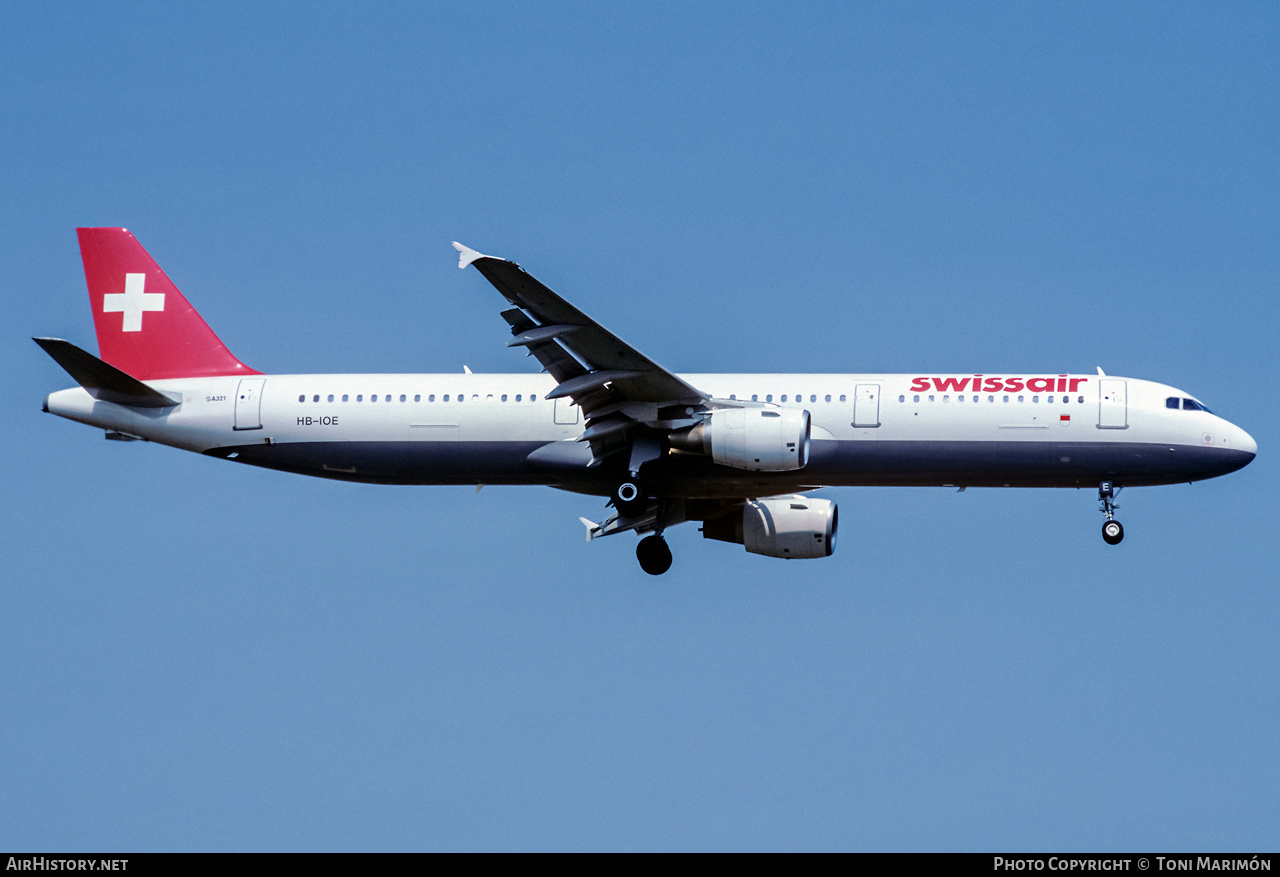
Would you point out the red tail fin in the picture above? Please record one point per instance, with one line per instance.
(146, 328)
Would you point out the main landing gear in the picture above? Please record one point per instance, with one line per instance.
(1112, 530)
(631, 501)
(629, 498)
(654, 554)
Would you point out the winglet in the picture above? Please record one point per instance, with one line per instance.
(466, 255)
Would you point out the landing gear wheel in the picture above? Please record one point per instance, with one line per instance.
(654, 555)
(629, 499)
(1112, 532)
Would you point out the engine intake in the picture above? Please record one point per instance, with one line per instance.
(754, 439)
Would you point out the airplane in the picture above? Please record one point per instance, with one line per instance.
(735, 452)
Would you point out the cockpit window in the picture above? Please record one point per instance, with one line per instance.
(1186, 404)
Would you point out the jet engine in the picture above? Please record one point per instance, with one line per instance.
(755, 439)
(790, 526)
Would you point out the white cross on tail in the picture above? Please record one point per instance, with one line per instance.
(132, 302)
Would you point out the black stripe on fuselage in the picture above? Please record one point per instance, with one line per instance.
(831, 463)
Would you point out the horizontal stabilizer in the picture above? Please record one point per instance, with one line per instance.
(103, 381)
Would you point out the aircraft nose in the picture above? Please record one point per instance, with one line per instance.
(1244, 442)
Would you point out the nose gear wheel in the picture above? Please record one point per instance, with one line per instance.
(1112, 530)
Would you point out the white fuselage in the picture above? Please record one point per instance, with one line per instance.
(1071, 430)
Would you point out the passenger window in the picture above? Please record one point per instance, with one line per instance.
(1049, 399)
(842, 397)
(902, 398)
(915, 398)
(345, 397)
(533, 398)
(360, 398)
(302, 398)
(445, 397)
(959, 398)
(946, 397)
(732, 397)
(1022, 398)
(518, 395)
(388, 399)
(768, 398)
(330, 397)
(1006, 398)
(991, 398)
(1035, 398)
(402, 398)
(784, 397)
(1171, 402)
(504, 397)
(813, 398)
(1081, 400)
(828, 397)
(930, 398)
(417, 397)
(755, 398)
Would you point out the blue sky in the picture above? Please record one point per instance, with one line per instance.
(196, 655)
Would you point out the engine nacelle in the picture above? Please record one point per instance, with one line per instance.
(755, 439)
(791, 526)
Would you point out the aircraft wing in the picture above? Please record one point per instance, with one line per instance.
(554, 326)
(617, 387)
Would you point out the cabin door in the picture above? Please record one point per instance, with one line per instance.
(249, 403)
(1113, 405)
(866, 405)
(566, 412)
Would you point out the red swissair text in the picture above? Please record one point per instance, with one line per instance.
(981, 384)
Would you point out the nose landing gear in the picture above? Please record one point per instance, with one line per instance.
(1112, 530)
